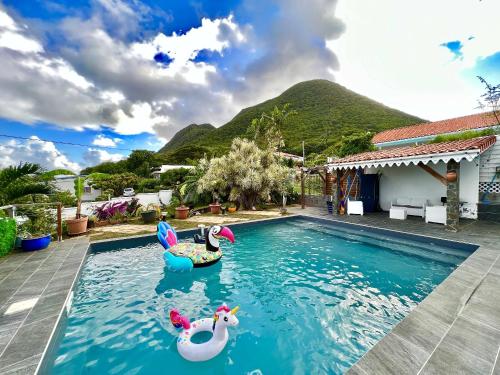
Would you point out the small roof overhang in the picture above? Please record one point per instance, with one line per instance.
(431, 153)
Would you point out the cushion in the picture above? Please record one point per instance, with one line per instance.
(402, 201)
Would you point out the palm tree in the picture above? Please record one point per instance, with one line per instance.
(19, 181)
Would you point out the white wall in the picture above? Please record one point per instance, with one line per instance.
(413, 182)
(469, 188)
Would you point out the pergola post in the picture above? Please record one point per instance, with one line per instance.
(452, 196)
(336, 192)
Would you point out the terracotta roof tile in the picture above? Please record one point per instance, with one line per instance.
(477, 121)
(480, 143)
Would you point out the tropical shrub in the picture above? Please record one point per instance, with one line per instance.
(148, 185)
(17, 182)
(115, 210)
(247, 173)
(40, 221)
(64, 197)
(7, 235)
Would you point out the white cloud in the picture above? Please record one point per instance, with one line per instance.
(35, 151)
(391, 51)
(183, 48)
(103, 141)
(96, 156)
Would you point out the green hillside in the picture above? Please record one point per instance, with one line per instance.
(326, 111)
(189, 134)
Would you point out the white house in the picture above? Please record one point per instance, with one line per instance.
(67, 183)
(411, 169)
(166, 167)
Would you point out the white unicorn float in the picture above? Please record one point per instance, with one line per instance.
(223, 318)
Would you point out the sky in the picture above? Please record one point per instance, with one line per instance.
(117, 75)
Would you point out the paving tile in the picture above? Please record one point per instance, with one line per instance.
(483, 312)
(25, 367)
(393, 355)
(444, 307)
(447, 359)
(29, 341)
(475, 338)
(58, 285)
(421, 329)
(496, 370)
(356, 370)
(47, 305)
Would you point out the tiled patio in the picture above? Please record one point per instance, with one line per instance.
(33, 289)
(456, 329)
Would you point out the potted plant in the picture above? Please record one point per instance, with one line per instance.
(231, 208)
(35, 230)
(78, 225)
(215, 206)
(149, 214)
(182, 211)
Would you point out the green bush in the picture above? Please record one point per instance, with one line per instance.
(172, 177)
(65, 197)
(7, 235)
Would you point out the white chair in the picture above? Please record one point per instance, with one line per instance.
(354, 207)
(435, 214)
(398, 213)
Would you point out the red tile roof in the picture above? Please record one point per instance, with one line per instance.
(480, 143)
(477, 121)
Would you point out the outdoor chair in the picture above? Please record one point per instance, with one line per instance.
(354, 207)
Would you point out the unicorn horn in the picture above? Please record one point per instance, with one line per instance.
(235, 310)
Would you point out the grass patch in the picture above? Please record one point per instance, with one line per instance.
(462, 136)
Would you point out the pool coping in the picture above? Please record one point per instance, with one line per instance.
(395, 352)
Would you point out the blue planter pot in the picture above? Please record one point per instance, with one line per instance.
(33, 244)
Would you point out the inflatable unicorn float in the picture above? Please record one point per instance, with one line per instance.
(183, 256)
(223, 318)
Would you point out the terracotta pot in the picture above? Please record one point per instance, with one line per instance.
(451, 176)
(215, 208)
(231, 210)
(181, 212)
(77, 226)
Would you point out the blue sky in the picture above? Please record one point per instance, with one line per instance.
(126, 74)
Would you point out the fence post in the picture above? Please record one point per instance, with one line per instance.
(302, 188)
(59, 222)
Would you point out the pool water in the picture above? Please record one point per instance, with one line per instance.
(313, 299)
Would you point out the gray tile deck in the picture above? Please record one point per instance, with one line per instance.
(45, 277)
(456, 329)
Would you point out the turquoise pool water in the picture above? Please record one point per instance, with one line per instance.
(314, 298)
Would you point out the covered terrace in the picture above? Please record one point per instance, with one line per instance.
(439, 174)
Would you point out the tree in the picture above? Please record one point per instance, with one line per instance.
(352, 144)
(108, 167)
(114, 182)
(267, 130)
(172, 177)
(246, 172)
(140, 162)
(17, 182)
(491, 98)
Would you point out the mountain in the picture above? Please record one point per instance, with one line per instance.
(189, 134)
(326, 111)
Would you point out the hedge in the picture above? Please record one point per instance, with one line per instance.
(7, 235)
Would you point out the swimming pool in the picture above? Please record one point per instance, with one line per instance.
(314, 297)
